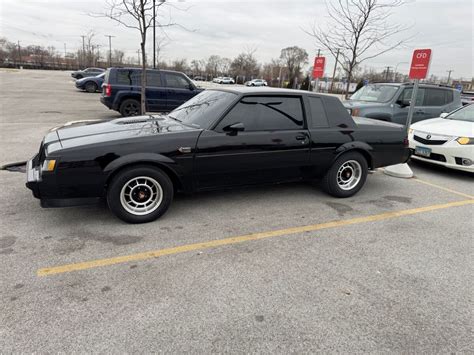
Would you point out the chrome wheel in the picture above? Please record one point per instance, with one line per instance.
(141, 195)
(349, 175)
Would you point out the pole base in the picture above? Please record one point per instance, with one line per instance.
(399, 170)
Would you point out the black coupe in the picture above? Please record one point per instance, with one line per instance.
(219, 138)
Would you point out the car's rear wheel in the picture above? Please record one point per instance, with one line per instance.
(140, 194)
(91, 86)
(130, 107)
(346, 176)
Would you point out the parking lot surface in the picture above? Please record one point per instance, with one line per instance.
(272, 269)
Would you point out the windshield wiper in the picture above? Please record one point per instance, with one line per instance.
(174, 118)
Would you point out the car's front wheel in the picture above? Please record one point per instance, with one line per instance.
(130, 107)
(140, 194)
(346, 176)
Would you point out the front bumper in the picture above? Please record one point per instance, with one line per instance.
(33, 177)
(449, 154)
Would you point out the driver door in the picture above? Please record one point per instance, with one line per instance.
(274, 145)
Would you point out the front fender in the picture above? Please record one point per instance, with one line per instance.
(137, 158)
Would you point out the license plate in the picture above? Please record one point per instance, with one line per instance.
(425, 152)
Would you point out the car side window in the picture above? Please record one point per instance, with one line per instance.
(128, 77)
(406, 95)
(266, 113)
(318, 113)
(153, 78)
(449, 96)
(176, 81)
(435, 97)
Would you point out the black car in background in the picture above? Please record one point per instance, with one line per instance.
(91, 84)
(218, 139)
(87, 72)
(165, 90)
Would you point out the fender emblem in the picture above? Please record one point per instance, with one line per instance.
(428, 136)
(184, 149)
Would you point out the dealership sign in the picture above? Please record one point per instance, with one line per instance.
(318, 68)
(420, 64)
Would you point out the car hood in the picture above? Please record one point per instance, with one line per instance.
(361, 104)
(97, 131)
(445, 127)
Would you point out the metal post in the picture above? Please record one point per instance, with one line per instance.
(83, 50)
(154, 35)
(110, 49)
(334, 71)
(412, 104)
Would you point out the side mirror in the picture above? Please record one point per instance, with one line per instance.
(191, 87)
(404, 103)
(444, 115)
(234, 128)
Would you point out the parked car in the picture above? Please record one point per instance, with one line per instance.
(166, 90)
(226, 80)
(199, 78)
(87, 72)
(217, 80)
(256, 82)
(218, 139)
(91, 83)
(447, 140)
(467, 97)
(390, 101)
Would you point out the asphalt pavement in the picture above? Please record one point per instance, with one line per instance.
(273, 269)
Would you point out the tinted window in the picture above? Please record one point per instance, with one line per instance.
(434, 97)
(204, 108)
(449, 96)
(176, 81)
(406, 95)
(128, 77)
(318, 114)
(266, 114)
(153, 78)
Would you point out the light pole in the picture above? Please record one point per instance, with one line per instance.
(395, 71)
(110, 49)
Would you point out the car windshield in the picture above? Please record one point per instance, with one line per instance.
(464, 114)
(375, 93)
(203, 109)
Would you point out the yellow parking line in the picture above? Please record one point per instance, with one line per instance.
(240, 239)
(443, 188)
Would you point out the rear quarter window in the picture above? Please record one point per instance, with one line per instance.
(318, 113)
(436, 97)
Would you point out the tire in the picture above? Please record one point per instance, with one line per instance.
(91, 86)
(346, 176)
(130, 107)
(139, 184)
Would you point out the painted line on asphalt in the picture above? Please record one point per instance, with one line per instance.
(443, 188)
(240, 239)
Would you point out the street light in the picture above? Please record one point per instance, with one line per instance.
(395, 71)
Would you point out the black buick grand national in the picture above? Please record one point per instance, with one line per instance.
(218, 139)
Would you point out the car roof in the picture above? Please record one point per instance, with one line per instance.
(266, 91)
(148, 69)
(425, 85)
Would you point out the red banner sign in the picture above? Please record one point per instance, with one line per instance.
(420, 64)
(318, 68)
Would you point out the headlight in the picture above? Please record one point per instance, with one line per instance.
(410, 131)
(48, 165)
(465, 140)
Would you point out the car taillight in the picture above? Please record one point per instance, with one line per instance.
(108, 89)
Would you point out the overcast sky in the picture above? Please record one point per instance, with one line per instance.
(227, 27)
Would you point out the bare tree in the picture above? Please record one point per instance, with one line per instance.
(138, 15)
(294, 58)
(360, 30)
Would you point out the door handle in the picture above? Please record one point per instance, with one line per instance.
(300, 137)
